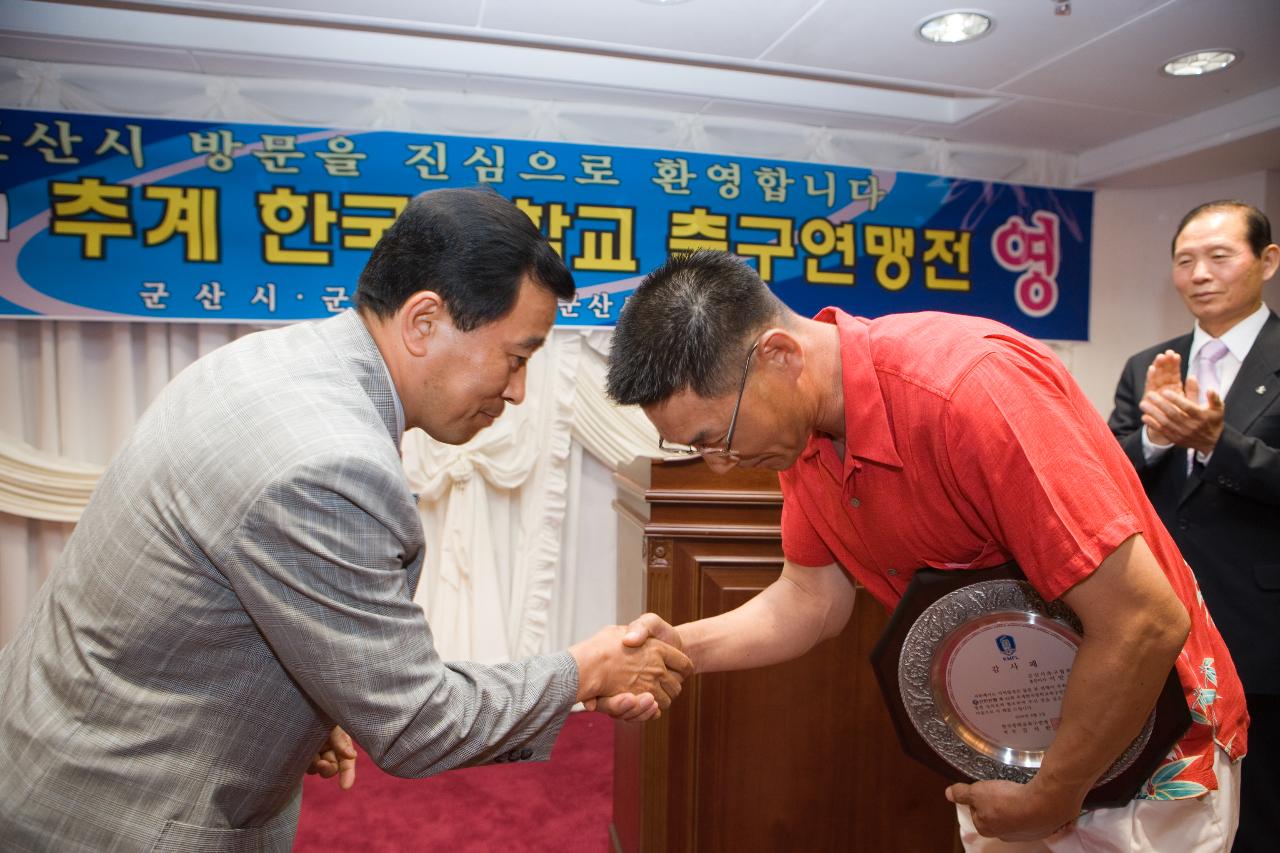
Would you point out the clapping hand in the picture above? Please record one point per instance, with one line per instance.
(1164, 374)
(1171, 410)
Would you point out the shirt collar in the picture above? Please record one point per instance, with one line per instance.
(866, 421)
(1238, 339)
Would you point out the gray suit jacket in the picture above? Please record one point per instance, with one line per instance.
(242, 580)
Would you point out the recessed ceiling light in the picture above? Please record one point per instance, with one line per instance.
(664, 2)
(1200, 62)
(955, 27)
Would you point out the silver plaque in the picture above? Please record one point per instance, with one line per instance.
(982, 673)
(974, 667)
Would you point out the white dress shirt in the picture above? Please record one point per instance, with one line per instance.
(1239, 340)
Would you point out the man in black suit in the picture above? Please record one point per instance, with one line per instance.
(1199, 416)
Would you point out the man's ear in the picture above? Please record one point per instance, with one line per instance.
(781, 350)
(419, 319)
(1270, 261)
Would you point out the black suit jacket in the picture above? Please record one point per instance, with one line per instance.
(1225, 516)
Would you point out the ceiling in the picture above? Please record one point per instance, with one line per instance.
(1086, 84)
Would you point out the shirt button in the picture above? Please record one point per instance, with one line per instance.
(855, 503)
(893, 573)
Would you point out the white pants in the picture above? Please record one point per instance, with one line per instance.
(1204, 824)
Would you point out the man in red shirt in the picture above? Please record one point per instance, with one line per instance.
(958, 443)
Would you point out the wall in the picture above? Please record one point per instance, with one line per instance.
(1133, 304)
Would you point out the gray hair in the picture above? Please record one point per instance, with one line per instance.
(689, 325)
(1257, 228)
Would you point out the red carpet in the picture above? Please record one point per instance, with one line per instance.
(561, 805)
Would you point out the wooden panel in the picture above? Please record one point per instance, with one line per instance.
(625, 829)
(901, 802)
(814, 735)
(690, 478)
(798, 756)
(628, 743)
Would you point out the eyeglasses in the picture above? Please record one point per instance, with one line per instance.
(723, 452)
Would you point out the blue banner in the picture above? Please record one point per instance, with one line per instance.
(110, 217)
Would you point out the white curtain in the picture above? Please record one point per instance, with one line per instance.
(495, 510)
(521, 531)
(69, 393)
(499, 504)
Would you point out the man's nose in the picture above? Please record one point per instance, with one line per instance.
(514, 393)
(720, 463)
(1200, 271)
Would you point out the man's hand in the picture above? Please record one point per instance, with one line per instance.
(336, 758)
(652, 625)
(800, 609)
(1177, 417)
(1014, 812)
(629, 707)
(1134, 626)
(1164, 373)
(607, 667)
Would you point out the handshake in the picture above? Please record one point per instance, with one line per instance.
(634, 672)
(630, 672)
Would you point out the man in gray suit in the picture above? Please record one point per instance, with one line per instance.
(242, 579)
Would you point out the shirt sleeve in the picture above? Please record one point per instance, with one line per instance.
(801, 543)
(1039, 468)
(1150, 450)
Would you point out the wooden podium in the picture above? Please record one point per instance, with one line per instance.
(800, 756)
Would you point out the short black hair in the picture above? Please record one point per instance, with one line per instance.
(1257, 228)
(689, 324)
(471, 246)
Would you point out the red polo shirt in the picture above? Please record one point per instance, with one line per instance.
(968, 445)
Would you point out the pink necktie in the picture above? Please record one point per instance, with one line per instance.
(1207, 367)
(1207, 377)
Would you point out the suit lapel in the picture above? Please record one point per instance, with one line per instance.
(1260, 369)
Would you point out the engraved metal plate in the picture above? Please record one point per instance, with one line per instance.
(974, 666)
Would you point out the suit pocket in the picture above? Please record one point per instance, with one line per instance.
(190, 838)
(1267, 575)
(1267, 428)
